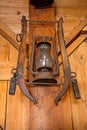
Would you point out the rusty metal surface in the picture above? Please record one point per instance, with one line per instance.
(43, 78)
(76, 89)
(66, 64)
(13, 82)
(55, 54)
(21, 62)
(12, 88)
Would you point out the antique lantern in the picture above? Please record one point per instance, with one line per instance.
(44, 65)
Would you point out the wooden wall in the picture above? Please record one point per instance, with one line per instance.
(15, 112)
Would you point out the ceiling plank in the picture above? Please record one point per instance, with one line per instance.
(73, 46)
(75, 33)
(8, 35)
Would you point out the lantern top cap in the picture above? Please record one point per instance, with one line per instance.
(43, 42)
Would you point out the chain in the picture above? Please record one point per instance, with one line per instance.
(19, 35)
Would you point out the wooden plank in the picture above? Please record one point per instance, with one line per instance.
(71, 12)
(71, 4)
(11, 12)
(76, 44)
(5, 70)
(8, 59)
(3, 98)
(4, 49)
(69, 24)
(46, 115)
(16, 4)
(13, 55)
(7, 66)
(8, 35)
(17, 111)
(79, 107)
(73, 47)
(75, 33)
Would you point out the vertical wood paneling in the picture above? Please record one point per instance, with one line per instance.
(17, 117)
(13, 56)
(4, 49)
(79, 107)
(3, 92)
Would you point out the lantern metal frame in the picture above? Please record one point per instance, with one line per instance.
(44, 78)
(33, 52)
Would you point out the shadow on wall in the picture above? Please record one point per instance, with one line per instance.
(41, 3)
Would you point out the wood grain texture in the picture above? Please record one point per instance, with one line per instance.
(8, 35)
(70, 114)
(46, 115)
(7, 65)
(71, 4)
(79, 107)
(12, 11)
(71, 49)
(4, 50)
(3, 100)
(17, 117)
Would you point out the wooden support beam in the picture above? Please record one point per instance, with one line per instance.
(73, 47)
(75, 33)
(8, 35)
(47, 113)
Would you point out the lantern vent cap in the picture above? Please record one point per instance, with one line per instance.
(43, 42)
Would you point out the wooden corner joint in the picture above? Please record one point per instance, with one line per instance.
(9, 35)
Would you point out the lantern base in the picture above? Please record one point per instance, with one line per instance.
(44, 77)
